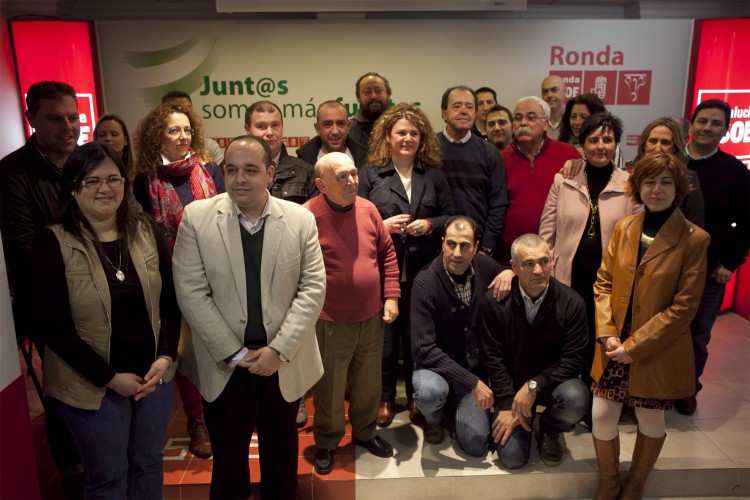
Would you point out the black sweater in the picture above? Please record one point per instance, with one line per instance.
(550, 350)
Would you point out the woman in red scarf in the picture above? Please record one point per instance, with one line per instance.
(171, 171)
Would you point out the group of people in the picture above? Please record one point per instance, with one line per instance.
(509, 268)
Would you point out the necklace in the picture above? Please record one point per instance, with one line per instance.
(118, 268)
(593, 206)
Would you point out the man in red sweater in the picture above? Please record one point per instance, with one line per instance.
(531, 162)
(362, 280)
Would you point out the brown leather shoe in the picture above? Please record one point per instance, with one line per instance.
(385, 413)
(415, 415)
(200, 443)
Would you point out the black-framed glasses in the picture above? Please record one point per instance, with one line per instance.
(96, 182)
(175, 131)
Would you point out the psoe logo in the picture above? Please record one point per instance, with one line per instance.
(634, 87)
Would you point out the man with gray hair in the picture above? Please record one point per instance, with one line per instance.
(531, 162)
(532, 345)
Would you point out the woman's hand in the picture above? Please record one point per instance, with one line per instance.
(619, 353)
(125, 384)
(153, 377)
(397, 224)
(419, 227)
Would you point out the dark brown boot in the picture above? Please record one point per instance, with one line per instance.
(608, 460)
(200, 443)
(645, 453)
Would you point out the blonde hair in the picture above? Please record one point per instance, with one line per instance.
(380, 149)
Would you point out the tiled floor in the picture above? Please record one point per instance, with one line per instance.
(706, 455)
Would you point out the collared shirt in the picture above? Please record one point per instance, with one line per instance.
(249, 226)
(463, 291)
(166, 161)
(532, 306)
(464, 140)
(321, 153)
(709, 155)
(276, 160)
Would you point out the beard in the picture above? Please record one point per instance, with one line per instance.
(373, 110)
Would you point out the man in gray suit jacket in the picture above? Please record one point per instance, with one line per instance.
(250, 282)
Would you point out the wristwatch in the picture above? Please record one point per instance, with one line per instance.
(533, 386)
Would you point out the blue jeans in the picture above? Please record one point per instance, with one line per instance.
(121, 443)
(472, 424)
(700, 328)
(565, 406)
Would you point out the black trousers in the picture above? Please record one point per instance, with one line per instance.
(249, 402)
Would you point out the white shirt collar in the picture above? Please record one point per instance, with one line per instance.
(709, 155)
(463, 140)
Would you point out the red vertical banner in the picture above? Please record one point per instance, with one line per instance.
(720, 69)
(62, 51)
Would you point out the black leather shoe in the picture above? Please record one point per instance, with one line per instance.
(687, 406)
(550, 449)
(377, 446)
(323, 461)
(433, 433)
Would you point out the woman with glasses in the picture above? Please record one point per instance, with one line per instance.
(105, 307)
(172, 172)
(580, 214)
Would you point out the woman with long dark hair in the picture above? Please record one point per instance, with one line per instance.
(105, 307)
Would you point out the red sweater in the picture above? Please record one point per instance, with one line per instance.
(529, 185)
(361, 266)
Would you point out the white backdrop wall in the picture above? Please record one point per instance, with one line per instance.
(301, 64)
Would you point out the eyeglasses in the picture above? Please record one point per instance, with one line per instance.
(531, 117)
(96, 182)
(175, 131)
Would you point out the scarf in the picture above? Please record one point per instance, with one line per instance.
(166, 207)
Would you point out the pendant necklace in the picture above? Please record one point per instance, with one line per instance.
(593, 207)
(118, 268)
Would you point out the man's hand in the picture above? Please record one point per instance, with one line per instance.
(125, 384)
(523, 402)
(482, 395)
(571, 168)
(397, 223)
(501, 284)
(504, 424)
(390, 310)
(721, 274)
(263, 362)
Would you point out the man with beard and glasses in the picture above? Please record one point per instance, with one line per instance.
(531, 162)
(373, 96)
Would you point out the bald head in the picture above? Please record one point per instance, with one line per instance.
(553, 93)
(332, 126)
(336, 177)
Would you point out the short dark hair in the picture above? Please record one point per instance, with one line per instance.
(263, 107)
(447, 93)
(455, 219)
(267, 154)
(375, 75)
(591, 101)
(499, 107)
(606, 120)
(175, 94)
(650, 166)
(48, 89)
(487, 89)
(713, 104)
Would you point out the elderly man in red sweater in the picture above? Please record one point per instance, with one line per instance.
(531, 162)
(362, 293)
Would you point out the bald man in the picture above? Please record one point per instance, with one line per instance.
(363, 292)
(553, 93)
